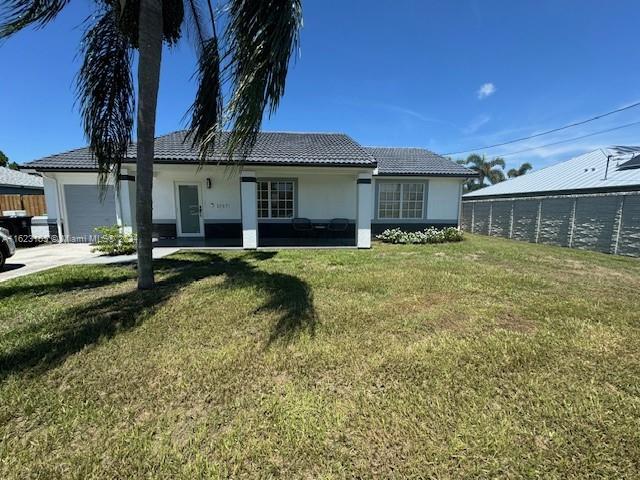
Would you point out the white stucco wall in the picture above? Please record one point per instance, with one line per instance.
(327, 196)
(444, 199)
(323, 193)
(51, 197)
(221, 201)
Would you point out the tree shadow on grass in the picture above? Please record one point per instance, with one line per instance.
(39, 284)
(51, 341)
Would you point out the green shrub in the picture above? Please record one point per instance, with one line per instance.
(112, 241)
(429, 235)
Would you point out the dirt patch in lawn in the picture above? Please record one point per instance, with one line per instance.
(515, 322)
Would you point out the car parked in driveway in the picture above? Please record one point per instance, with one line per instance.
(7, 246)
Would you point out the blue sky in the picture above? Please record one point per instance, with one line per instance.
(396, 73)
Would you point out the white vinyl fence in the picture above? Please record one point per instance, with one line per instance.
(603, 222)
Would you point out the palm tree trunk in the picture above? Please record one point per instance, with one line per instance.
(150, 55)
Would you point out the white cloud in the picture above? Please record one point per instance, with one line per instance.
(486, 90)
(475, 124)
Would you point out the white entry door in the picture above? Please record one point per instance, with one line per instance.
(189, 210)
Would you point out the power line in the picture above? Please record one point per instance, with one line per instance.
(572, 139)
(582, 122)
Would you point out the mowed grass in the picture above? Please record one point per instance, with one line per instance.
(483, 359)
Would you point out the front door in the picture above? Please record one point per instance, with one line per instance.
(190, 222)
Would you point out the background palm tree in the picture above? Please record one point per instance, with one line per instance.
(486, 170)
(517, 172)
(240, 74)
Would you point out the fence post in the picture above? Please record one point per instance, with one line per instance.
(572, 222)
(513, 205)
(490, 218)
(473, 217)
(618, 224)
(538, 220)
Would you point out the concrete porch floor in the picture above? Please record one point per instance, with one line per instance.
(270, 243)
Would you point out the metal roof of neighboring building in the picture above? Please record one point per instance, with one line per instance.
(14, 178)
(271, 148)
(585, 172)
(415, 161)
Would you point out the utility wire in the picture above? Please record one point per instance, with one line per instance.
(572, 139)
(582, 122)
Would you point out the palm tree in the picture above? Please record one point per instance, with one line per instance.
(486, 170)
(240, 73)
(522, 170)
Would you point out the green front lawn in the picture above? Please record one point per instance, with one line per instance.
(487, 358)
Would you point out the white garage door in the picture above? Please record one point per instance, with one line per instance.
(86, 210)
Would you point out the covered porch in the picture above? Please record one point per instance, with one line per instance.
(306, 209)
(262, 207)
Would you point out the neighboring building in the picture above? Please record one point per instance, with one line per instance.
(13, 182)
(292, 189)
(590, 202)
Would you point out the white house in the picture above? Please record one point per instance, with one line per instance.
(292, 189)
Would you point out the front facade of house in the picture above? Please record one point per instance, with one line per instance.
(294, 189)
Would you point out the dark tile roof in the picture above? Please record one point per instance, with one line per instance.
(271, 148)
(415, 161)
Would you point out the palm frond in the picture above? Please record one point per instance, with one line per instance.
(524, 168)
(496, 176)
(207, 109)
(196, 26)
(475, 160)
(260, 36)
(521, 170)
(105, 93)
(17, 14)
(497, 162)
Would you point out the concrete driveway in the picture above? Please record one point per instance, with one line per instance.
(44, 257)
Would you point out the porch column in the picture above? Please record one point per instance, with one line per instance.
(249, 202)
(125, 217)
(365, 202)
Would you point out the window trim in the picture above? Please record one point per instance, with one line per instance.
(294, 181)
(399, 181)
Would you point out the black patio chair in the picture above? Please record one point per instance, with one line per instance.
(338, 225)
(302, 225)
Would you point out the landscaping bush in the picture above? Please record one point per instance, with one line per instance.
(112, 241)
(428, 235)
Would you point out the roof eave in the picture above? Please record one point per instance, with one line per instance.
(422, 174)
(549, 193)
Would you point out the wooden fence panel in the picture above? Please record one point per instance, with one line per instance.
(33, 204)
(10, 202)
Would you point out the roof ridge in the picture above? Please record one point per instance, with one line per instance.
(306, 132)
(404, 148)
